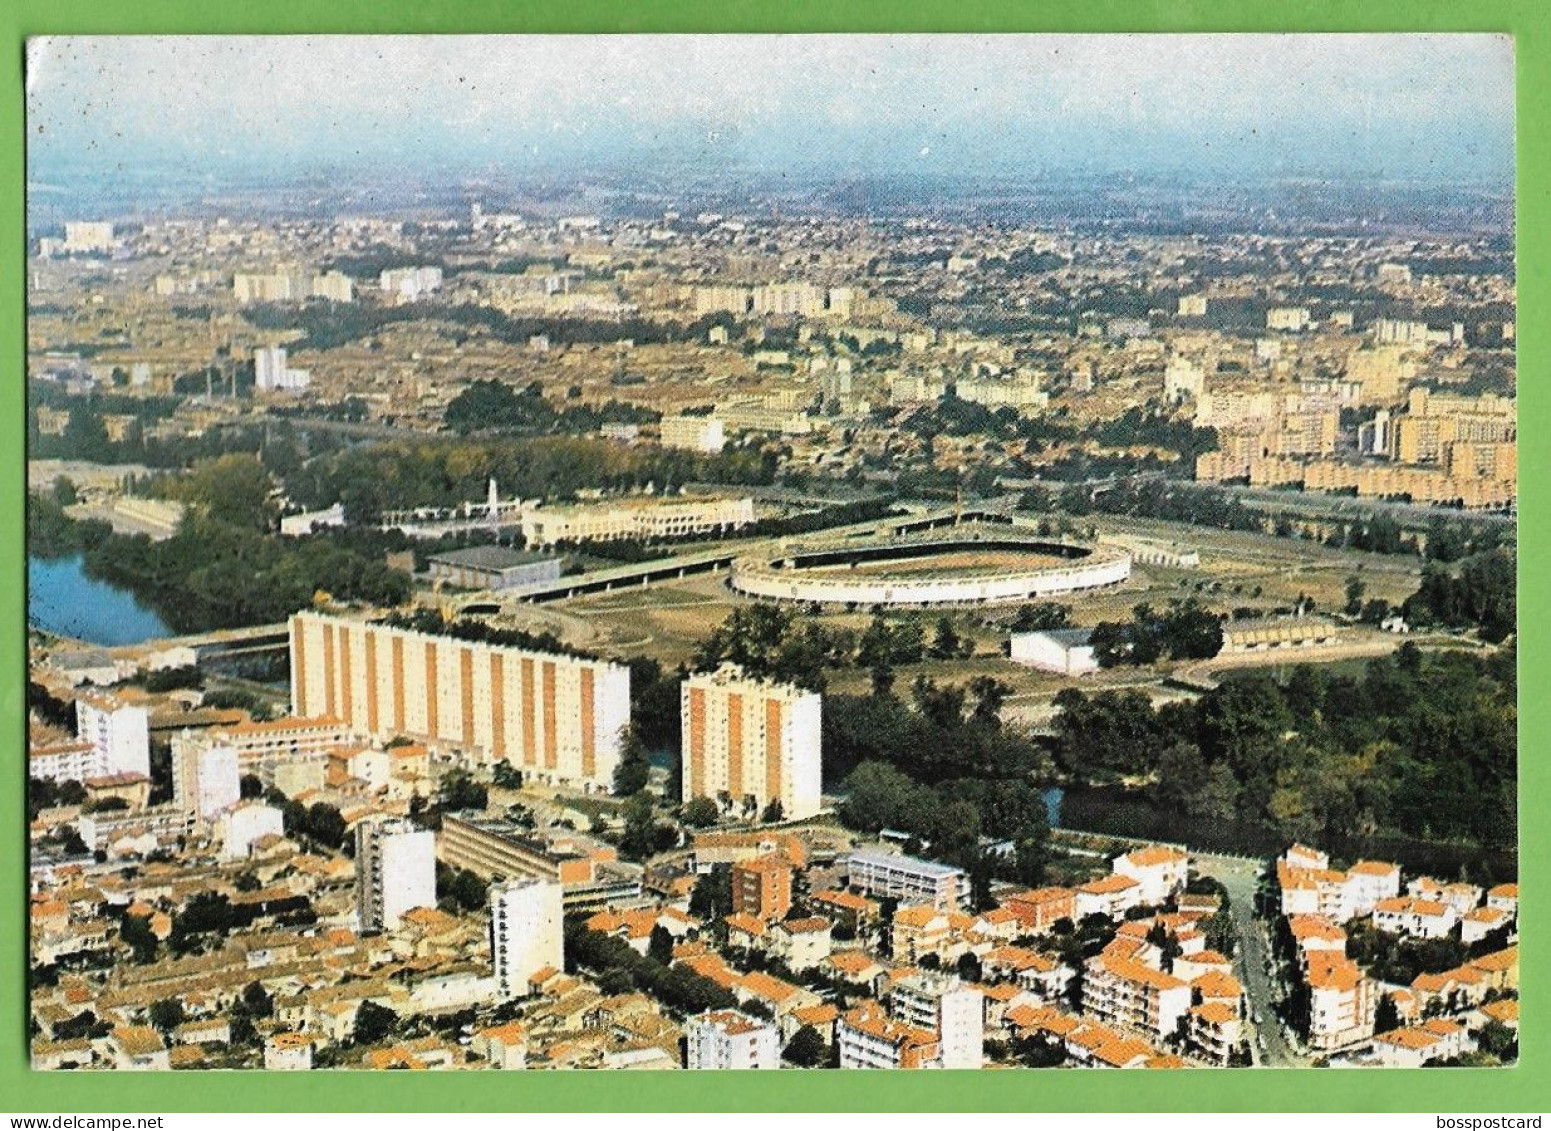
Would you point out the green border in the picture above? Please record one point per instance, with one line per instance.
(1524, 1088)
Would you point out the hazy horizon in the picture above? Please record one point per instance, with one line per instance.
(1420, 109)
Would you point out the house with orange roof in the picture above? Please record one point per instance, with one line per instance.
(1504, 897)
(1504, 1011)
(1412, 1047)
(850, 909)
(745, 932)
(820, 1018)
(1126, 992)
(1040, 909)
(1315, 932)
(1460, 896)
(1160, 871)
(918, 930)
(1042, 974)
(869, 1038)
(1216, 1031)
(1479, 922)
(1342, 1001)
(803, 944)
(1192, 966)
(1411, 915)
(858, 968)
(1111, 897)
(779, 996)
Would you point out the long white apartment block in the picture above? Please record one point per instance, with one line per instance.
(559, 719)
(746, 738)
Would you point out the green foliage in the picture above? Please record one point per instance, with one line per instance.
(701, 813)
(1184, 631)
(1421, 746)
(1482, 594)
(166, 1014)
(679, 988)
(806, 1049)
(374, 1023)
(711, 897)
(633, 769)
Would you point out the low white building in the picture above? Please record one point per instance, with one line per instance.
(242, 825)
(729, 1039)
(1066, 651)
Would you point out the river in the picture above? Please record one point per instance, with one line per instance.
(63, 599)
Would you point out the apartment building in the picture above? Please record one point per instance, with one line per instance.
(119, 734)
(729, 1039)
(1341, 1001)
(205, 778)
(908, 879)
(557, 718)
(635, 520)
(1420, 918)
(944, 1005)
(262, 748)
(693, 433)
(526, 931)
(395, 863)
(1124, 991)
(762, 888)
(1042, 908)
(589, 871)
(869, 1038)
(748, 742)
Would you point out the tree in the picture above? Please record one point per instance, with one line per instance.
(256, 1001)
(806, 1049)
(135, 932)
(701, 813)
(711, 897)
(660, 945)
(1354, 595)
(166, 1014)
(945, 645)
(374, 1023)
(633, 770)
(506, 776)
(638, 840)
(325, 824)
(774, 813)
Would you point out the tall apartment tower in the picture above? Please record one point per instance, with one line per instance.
(205, 778)
(395, 870)
(748, 742)
(559, 719)
(120, 734)
(526, 931)
(943, 1004)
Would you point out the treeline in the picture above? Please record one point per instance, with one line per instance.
(328, 325)
(1483, 594)
(495, 406)
(1424, 747)
(1447, 540)
(774, 642)
(619, 969)
(943, 770)
(370, 479)
(1186, 630)
(213, 574)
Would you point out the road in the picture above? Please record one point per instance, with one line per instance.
(1241, 878)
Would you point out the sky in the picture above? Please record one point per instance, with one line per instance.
(1421, 108)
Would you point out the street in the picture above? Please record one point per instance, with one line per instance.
(1240, 877)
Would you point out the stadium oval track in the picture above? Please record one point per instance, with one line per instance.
(899, 573)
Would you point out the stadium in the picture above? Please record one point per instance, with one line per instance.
(970, 566)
